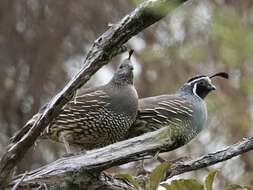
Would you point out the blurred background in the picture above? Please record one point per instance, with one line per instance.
(43, 43)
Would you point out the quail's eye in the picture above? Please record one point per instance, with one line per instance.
(202, 83)
(121, 66)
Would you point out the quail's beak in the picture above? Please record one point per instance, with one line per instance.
(211, 87)
(130, 69)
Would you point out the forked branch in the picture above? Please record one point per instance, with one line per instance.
(103, 49)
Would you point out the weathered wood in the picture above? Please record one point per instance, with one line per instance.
(103, 49)
(84, 167)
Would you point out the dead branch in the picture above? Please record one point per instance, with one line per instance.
(103, 49)
(87, 167)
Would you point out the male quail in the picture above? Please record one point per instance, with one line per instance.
(184, 112)
(99, 116)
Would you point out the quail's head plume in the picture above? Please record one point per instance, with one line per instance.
(99, 116)
(201, 85)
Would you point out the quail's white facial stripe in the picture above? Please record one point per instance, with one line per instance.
(195, 89)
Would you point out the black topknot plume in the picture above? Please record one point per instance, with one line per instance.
(130, 53)
(196, 77)
(221, 74)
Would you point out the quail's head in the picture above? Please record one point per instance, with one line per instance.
(124, 72)
(201, 85)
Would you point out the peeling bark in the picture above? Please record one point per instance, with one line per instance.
(84, 170)
(103, 49)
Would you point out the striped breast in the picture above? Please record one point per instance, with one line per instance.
(89, 122)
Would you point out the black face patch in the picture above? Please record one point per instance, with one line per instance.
(202, 87)
(202, 91)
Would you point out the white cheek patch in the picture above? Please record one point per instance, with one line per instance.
(195, 89)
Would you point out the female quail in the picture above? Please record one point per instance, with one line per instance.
(184, 112)
(99, 116)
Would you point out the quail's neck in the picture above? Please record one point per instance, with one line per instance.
(121, 81)
(120, 84)
(186, 90)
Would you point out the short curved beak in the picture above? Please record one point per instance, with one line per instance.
(211, 87)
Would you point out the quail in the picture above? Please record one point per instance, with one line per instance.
(184, 112)
(99, 116)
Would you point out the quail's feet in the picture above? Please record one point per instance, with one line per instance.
(68, 149)
(141, 169)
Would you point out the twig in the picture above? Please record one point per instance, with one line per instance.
(212, 158)
(21, 179)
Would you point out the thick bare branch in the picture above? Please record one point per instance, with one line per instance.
(103, 49)
(81, 167)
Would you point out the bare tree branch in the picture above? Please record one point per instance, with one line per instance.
(85, 166)
(209, 159)
(103, 49)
